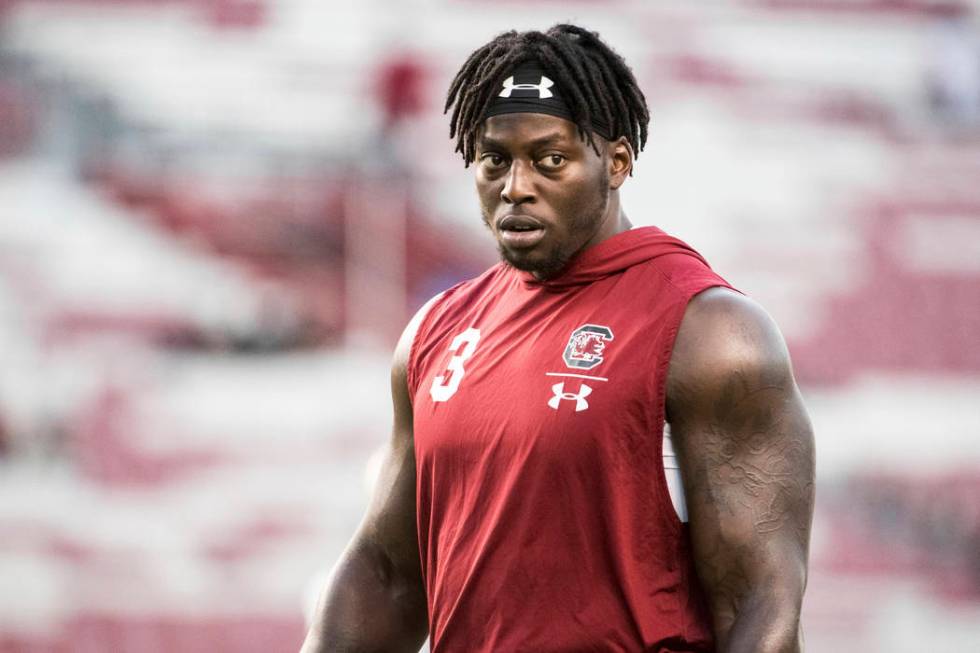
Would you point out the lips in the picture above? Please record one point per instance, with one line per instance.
(520, 231)
(518, 222)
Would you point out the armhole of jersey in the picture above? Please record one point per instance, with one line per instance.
(672, 474)
(420, 320)
(673, 478)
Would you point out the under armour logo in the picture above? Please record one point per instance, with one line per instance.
(579, 399)
(541, 87)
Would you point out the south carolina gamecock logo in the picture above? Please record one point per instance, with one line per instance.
(585, 346)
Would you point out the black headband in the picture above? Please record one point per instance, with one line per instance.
(529, 90)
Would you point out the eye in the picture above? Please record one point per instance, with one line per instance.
(492, 160)
(552, 161)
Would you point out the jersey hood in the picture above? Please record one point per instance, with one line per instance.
(613, 256)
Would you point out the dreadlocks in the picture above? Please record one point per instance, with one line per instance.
(597, 82)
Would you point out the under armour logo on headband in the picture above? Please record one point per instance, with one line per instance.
(547, 97)
(541, 87)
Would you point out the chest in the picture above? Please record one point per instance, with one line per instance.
(566, 376)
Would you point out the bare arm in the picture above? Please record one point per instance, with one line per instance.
(375, 600)
(745, 446)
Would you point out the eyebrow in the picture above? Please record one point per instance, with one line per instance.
(547, 139)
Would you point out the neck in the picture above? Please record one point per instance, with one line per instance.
(614, 221)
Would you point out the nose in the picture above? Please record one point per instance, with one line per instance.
(518, 186)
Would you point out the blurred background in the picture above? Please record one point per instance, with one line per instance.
(217, 215)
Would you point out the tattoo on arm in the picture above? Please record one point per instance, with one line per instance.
(745, 447)
(754, 455)
(751, 487)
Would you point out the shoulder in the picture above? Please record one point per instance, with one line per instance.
(443, 306)
(683, 269)
(725, 339)
(444, 311)
(403, 350)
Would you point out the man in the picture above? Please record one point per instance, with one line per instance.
(526, 501)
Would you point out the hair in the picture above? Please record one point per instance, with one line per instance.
(595, 81)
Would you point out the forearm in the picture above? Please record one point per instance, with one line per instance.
(367, 607)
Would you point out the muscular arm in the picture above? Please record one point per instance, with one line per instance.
(374, 600)
(745, 447)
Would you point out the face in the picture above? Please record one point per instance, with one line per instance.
(544, 192)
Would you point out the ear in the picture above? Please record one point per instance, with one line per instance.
(620, 161)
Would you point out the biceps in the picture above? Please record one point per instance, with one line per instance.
(749, 484)
(390, 521)
(761, 475)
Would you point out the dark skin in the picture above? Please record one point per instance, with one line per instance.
(742, 435)
(537, 166)
(745, 448)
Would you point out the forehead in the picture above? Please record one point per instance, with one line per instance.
(524, 129)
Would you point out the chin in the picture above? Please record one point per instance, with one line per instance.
(540, 265)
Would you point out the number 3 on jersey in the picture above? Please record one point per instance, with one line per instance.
(442, 389)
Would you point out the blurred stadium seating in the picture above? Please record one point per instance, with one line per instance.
(215, 217)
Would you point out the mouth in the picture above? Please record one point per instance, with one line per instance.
(520, 231)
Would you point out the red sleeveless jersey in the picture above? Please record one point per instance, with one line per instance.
(544, 518)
